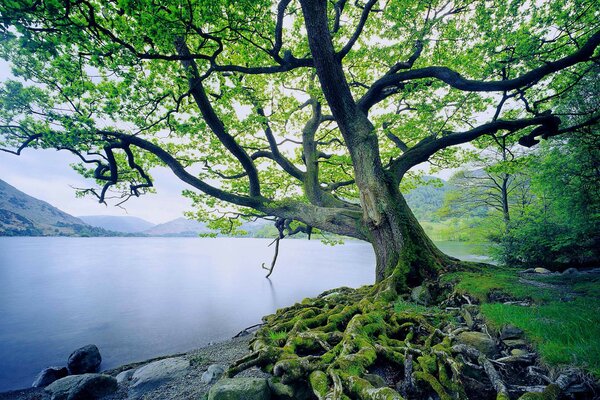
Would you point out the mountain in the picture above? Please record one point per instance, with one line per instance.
(425, 200)
(178, 227)
(118, 224)
(23, 215)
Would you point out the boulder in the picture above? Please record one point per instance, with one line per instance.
(540, 270)
(468, 318)
(212, 374)
(240, 388)
(155, 374)
(125, 376)
(570, 271)
(49, 375)
(518, 352)
(510, 332)
(478, 340)
(82, 387)
(421, 295)
(84, 360)
(280, 390)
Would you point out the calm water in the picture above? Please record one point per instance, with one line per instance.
(137, 298)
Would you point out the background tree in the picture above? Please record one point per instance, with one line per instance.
(306, 111)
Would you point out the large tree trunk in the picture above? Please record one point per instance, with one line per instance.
(403, 252)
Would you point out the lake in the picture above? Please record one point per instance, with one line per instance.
(137, 298)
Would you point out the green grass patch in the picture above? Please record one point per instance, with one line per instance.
(563, 332)
(481, 284)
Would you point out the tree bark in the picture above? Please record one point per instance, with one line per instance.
(403, 251)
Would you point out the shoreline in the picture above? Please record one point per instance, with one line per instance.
(222, 353)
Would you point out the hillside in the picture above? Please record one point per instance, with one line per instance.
(178, 227)
(23, 215)
(124, 224)
(426, 200)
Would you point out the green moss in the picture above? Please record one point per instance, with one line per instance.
(434, 383)
(319, 383)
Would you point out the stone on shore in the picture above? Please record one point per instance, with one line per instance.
(49, 375)
(570, 271)
(240, 388)
(541, 270)
(84, 360)
(212, 374)
(125, 376)
(155, 374)
(82, 387)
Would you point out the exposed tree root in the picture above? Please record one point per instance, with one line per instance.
(334, 342)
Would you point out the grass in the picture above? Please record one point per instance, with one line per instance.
(563, 332)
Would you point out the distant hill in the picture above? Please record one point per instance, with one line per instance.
(425, 200)
(23, 215)
(178, 227)
(124, 224)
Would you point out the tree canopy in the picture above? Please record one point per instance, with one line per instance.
(308, 111)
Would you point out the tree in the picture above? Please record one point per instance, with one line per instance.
(308, 111)
(311, 112)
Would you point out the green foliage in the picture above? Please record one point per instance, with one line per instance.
(560, 226)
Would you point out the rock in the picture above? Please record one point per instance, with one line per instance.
(540, 270)
(213, 374)
(157, 373)
(478, 340)
(280, 390)
(420, 295)
(84, 360)
(82, 387)
(240, 388)
(375, 380)
(49, 375)
(125, 376)
(510, 332)
(468, 318)
(515, 343)
(518, 352)
(570, 271)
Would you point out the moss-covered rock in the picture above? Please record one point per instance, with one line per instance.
(240, 388)
(480, 341)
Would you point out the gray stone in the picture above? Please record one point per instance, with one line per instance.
(478, 340)
(240, 388)
(49, 375)
(518, 352)
(280, 390)
(155, 374)
(510, 332)
(420, 295)
(84, 360)
(125, 376)
(540, 270)
(570, 271)
(212, 374)
(82, 387)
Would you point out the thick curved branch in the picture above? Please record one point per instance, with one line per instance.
(383, 87)
(214, 122)
(429, 146)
